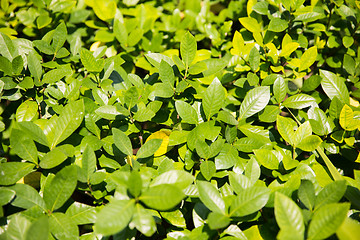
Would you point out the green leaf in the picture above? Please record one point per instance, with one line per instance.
(89, 61)
(310, 143)
(277, 25)
(213, 99)
(288, 216)
(255, 101)
(55, 157)
(26, 197)
(120, 31)
(81, 213)
(166, 73)
(149, 148)
(6, 66)
(62, 227)
(279, 89)
(105, 10)
(254, 59)
(178, 178)
(327, 219)
(250, 24)
(59, 37)
(69, 120)
(299, 101)
(60, 189)
(11, 172)
(156, 58)
(6, 195)
(143, 220)
(249, 201)
(107, 112)
(303, 131)
(331, 193)
(217, 220)
(188, 49)
(210, 197)
(17, 65)
(347, 120)
(239, 182)
(308, 58)
(39, 229)
(187, 112)
(334, 86)
(88, 163)
(266, 158)
(23, 146)
(119, 211)
(122, 142)
(7, 48)
(135, 184)
(269, 114)
(227, 117)
(56, 74)
(348, 230)
(306, 194)
(34, 131)
(34, 65)
(207, 169)
(286, 127)
(17, 228)
(162, 197)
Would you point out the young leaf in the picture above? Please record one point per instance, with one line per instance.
(347, 120)
(299, 101)
(11, 172)
(119, 211)
(327, 219)
(279, 89)
(214, 98)
(27, 111)
(188, 49)
(122, 141)
(207, 169)
(88, 163)
(34, 65)
(266, 158)
(120, 32)
(310, 143)
(187, 112)
(308, 58)
(162, 197)
(286, 127)
(250, 24)
(210, 196)
(255, 101)
(288, 216)
(166, 74)
(249, 201)
(60, 189)
(334, 86)
(59, 37)
(254, 59)
(277, 25)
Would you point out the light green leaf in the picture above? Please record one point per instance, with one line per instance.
(122, 142)
(249, 201)
(213, 99)
(105, 10)
(239, 182)
(89, 61)
(156, 58)
(255, 101)
(347, 120)
(39, 229)
(59, 37)
(303, 131)
(60, 189)
(34, 65)
(143, 220)
(334, 86)
(119, 211)
(17, 228)
(299, 101)
(250, 24)
(254, 59)
(166, 73)
(207, 169)
(81, 213)
(88, 163)
(266, 158)
(162, 197)
(107, 112)
(188, 49)
(53, 158)
(149, 148)
(62, 227)
(26, 197)
(211, 197)
(69, 120)
(217, 220)
(120, 31)
(306, 194)
(288, 216)
(227, 117)
(286, 127)
(134, 183)
(327, 219)
(187, 112)
(23, 146)
(11, 172)
(7, 48)
(178, 178)
(310, 143)
(277, 25)
(6, 195)
(348, 230)
(308, 58)
(331, 193)
(279, 89)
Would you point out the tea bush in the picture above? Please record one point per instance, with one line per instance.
(189, 119)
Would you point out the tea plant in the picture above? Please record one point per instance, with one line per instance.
(179, 119)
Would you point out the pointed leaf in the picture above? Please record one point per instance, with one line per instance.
(81, 213)
(122, 142)
(211, 197)
(310, 143)
(88, 162)
(162, 197)
(11, 172)
(59, 37)
(39, 229)
(187, 112)
(23, 146)
(334, 86)
(143, 220)
(279, 89)
(34, 65)
(207, 169)
(26, 197)
(306, 194)
(62, 227)
(331, 193)
(149, 148)
(308, 58)
(214, 98)
(178, 178)
(255, 101)
(299, 101)
(188, 49)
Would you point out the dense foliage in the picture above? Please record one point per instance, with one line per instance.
(183, 119)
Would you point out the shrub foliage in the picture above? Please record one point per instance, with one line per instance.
(181, 119)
